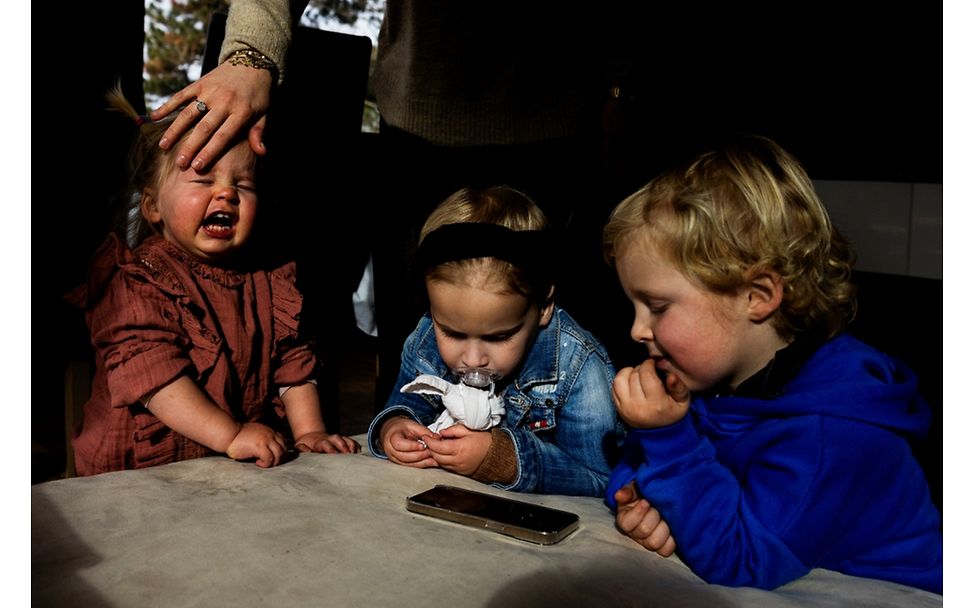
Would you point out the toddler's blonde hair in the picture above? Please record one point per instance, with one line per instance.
(743, 208)
(500, 205)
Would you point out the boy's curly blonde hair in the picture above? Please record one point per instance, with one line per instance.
(743, 208)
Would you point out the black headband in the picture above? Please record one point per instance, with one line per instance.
(527, 249)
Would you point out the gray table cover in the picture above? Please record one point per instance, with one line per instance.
(327, 530)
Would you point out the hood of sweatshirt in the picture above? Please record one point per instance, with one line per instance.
(845, 378)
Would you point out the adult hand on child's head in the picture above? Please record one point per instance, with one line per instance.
(236, 98)
(326, 443)
(640, 521)
(259, 441)
(459, 449)
(404, 442)
(644, 401)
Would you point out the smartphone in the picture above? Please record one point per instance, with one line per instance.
(522, 520)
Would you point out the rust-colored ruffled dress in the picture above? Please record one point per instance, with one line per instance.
(155, 314)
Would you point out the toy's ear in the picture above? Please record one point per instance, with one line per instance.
(765, 293)
(150, 207)
(548, 309)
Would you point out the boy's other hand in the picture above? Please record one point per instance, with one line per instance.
(640, 521)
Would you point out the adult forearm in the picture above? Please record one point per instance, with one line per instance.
(263, 25)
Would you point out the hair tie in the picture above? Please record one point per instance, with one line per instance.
(527, 249)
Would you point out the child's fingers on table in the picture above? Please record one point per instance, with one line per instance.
(668, 548)
(340, 444)
(420, 460)
(352, 445)
(630, 516)
(653, 530)
(626, 494)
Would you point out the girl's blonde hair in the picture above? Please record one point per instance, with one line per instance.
(737, 210)
(501, 206)
(148, 165)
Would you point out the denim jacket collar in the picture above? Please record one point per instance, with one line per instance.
(541, 364)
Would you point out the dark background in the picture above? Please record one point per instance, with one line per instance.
(855, 94)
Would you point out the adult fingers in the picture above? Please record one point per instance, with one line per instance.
(175, 102)
(256, 137)
(209, 139)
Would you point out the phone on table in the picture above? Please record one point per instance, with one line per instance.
(522, 520)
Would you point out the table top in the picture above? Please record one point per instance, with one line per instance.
(334, 530)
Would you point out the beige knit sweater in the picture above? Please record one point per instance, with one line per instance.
(264, 25)
(463, 73)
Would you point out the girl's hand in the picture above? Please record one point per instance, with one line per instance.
(237, 98)
(404, 441)
(459, 449)
(255, 440)
(644, 402)
(326, 443)
(638, 520)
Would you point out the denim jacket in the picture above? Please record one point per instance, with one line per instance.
(559, 409)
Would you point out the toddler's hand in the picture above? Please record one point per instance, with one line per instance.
(326, 443)
(644, 402)
(459, 449)
(638, 520)
(256, 440)
(404, 442)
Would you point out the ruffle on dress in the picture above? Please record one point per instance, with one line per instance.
(297, 360)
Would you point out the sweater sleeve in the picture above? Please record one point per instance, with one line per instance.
(263, 25)
(713, 516)
(500, 462)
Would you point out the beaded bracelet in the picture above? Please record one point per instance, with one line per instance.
(252, 59)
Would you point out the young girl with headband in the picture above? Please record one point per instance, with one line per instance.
(198, 347)
(497, 383)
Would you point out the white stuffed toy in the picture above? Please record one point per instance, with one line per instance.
(475, 408)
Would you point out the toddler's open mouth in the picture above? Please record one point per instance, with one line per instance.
(219, 224)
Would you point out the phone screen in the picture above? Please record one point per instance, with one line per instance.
(515, 518)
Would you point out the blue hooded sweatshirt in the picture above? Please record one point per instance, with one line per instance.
(757, 491)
